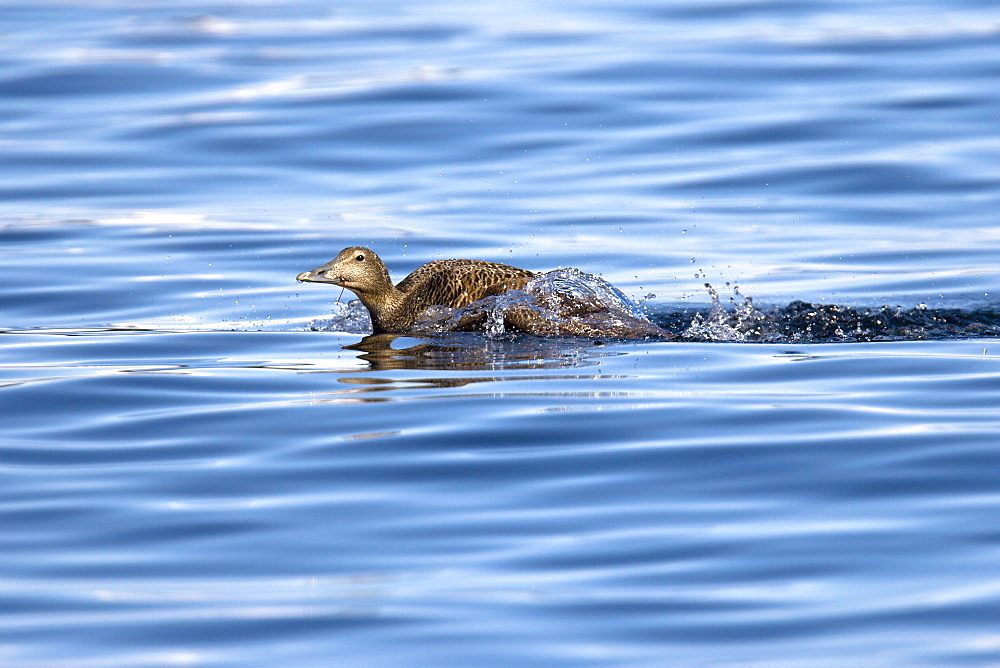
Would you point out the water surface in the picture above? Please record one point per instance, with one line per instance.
(191, 474)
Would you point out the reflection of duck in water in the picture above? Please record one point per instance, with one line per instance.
(457, 284)
(458, 352)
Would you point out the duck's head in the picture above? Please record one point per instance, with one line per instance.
(357, 269)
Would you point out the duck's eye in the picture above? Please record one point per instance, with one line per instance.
(360, 258)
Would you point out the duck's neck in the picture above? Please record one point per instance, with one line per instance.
(384, 306)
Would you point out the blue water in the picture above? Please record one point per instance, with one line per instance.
(191, 474)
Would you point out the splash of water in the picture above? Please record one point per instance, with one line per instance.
(802, 322)
(719, 324)
(563, 302)
(569, 302)
(351, 317)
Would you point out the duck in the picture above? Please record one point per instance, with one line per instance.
(394, 308)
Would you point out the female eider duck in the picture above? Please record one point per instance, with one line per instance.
(394, 308)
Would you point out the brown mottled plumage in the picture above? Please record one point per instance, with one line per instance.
(393, 308)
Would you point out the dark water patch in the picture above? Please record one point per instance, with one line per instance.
(414, 33)
(562, 108)
(940, 102)
(105, 79)
(517, 147)
(766, 133)
(926, 40)
(860, 178)
(715, 11)
(412, 93)
(40, 163)
(669, 80)
(803, 322)
(180, 532)
(403, 131)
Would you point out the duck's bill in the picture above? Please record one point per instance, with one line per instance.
(319, 276)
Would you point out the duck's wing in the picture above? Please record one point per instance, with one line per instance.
(458, 283)
(422, 274)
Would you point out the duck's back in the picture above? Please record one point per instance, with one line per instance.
(458, 283)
